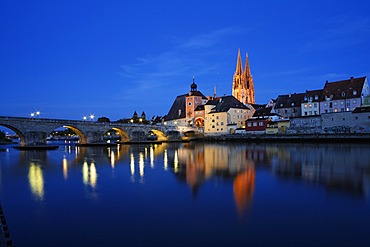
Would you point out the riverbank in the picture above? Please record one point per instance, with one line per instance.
(361, 138)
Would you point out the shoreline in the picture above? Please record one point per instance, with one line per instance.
(360, 138)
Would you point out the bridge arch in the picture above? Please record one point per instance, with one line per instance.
(81, 135)
(160, 135)
(124, 135)
(21, 136)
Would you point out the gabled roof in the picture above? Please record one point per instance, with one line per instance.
(199, 108)
(345, 89)
(178, 106)
(313, 95)
(289, 100)
(197, 93)
(226, 102)
(263, 112)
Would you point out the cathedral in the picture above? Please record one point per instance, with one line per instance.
(243, 86)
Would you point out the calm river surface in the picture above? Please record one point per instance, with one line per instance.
(188, 194)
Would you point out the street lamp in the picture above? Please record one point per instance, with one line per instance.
(92, 117)
(32, 114)
(38, 113)
(84, 118)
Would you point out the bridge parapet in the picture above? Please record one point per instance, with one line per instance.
(34, 131)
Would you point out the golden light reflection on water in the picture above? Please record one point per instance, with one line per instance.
(36, 180)
(165, 160)
(89, 174)
(132, 164)
(176, 162)
(112, 159)
(65, 168)
(93, 175)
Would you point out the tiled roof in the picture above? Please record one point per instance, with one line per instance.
(263, 112)
(313, 95)
(199, 108)
(227, 102)
(289, 100)
(197, 93)
(345, 89)
(178, 106)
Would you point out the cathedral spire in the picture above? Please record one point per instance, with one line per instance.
(247, 69)
(239, 69)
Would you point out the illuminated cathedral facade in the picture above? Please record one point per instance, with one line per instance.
(243, 85)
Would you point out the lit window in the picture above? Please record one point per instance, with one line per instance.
(355, 92)
(255, 124)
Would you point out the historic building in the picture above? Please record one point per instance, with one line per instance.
(226, 115)
(289, 105)
(344, 95)
(311, 103)
(216, 115)
(243, 85)
(183, 111)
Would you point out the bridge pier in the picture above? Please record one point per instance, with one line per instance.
(33, 138)
(94, 137)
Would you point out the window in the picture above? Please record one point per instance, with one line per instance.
(249, 124)
(354, 101)
(315, 105)
(316, 97)
(343, 94)
(261, 123)
(342, 102)
(222, 123)
(216, 117)
(293, 104)
(355, 92)
(281, 105)
(331, 104)
(255, 124)
(326, 104)
(189, 103)
(335, 103)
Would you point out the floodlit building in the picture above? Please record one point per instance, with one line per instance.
(243, 85)
(226, 115)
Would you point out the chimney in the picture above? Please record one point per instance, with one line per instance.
(351, 79)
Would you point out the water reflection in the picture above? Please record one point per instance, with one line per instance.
(198, 162)
(36, 180)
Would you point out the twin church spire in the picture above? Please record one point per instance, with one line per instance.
(243, 85)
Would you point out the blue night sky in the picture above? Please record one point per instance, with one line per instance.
(70, 58)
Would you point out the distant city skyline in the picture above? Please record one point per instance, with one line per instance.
(71, 59)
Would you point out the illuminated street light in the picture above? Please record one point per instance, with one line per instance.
(38, 113)
(32, 114)
(84, 118)
(131, 120)
(92, 117)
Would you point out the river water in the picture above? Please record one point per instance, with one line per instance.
(188, 194)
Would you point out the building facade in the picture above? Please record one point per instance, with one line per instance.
(311, 103)
(344, 95)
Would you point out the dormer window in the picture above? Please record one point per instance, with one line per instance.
(292, 104)
(305, 98)
(281, 105)
(355, 92)
(316, 97)
(343, 94)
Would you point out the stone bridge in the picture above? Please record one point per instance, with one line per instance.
(34, 131)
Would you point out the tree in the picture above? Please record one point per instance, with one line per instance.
(103, 120)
